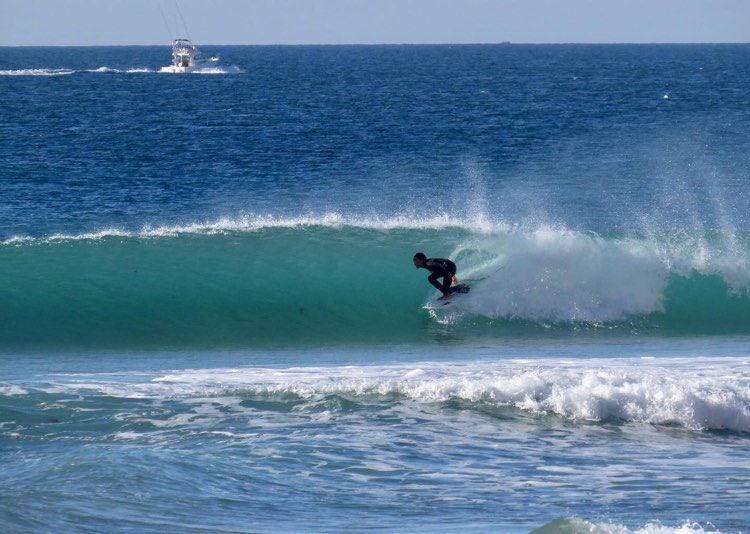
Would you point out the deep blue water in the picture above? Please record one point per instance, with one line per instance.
(209, 318)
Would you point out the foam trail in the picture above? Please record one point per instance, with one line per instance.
(576, 525)
(36, 72)
(110, 70)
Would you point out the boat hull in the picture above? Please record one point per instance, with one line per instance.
(210, 64)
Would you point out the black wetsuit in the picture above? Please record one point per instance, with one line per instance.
(441, 268)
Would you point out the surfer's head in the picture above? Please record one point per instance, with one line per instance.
(419, 260)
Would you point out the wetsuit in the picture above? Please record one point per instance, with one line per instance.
(441, 268)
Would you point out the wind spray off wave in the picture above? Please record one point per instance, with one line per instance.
(558, 275)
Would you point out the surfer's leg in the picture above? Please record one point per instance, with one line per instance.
(448, 280)
(444, 286)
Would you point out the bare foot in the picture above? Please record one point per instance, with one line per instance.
(446, 297)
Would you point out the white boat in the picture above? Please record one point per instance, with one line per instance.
(187, 58)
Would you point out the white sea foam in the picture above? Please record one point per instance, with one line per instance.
(697, 394)
(110, 70)
(576, 525)
(12, 390)
(337, 220)
(230, 69)
(105, 70)
(37, 72)
(67, 72)
(256, 223)
(85, 236)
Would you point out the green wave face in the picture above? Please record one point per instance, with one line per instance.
(326, 284)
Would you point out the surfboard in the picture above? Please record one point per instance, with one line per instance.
(438, 304)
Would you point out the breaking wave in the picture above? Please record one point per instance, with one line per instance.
(332, 279)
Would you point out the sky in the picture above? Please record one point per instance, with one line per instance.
(233, 22)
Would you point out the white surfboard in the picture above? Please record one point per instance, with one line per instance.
(438, 304)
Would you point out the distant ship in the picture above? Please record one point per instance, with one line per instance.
(187, 58)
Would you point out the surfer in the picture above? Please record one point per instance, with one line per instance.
(440, 268)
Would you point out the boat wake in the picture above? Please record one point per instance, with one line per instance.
(229, 69)
(232, 69)
(37, 72)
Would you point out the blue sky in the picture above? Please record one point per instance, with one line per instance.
(125, 22)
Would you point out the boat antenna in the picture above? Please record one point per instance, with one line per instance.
(184, 26)
(166, 23)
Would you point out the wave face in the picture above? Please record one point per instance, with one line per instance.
(328, 280)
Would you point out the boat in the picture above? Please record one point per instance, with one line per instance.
(187, 58)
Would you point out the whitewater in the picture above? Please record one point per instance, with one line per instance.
(210, 320)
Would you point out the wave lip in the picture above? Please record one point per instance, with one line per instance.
(256, 223)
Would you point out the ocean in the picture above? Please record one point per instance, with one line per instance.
(210, 320)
